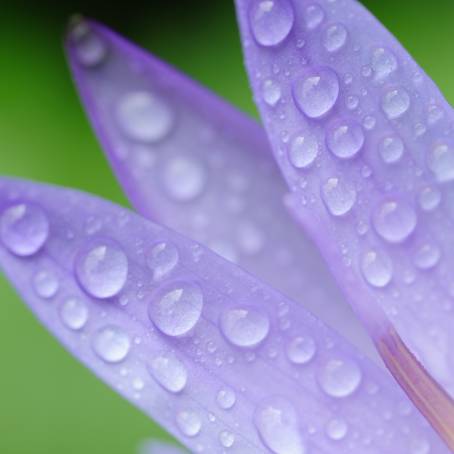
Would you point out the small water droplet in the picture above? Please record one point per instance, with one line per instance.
(301, 350)
(345, 139)
(169, 372)
(226, 398)
(316, 92)
(391, 149)
(175, 308)
(46, 284)
(384, 63)
(429, 198)
(111, 344)
(394, 221)
(427, 256)
(74, 313)
(24, 228)
(244, 327)
(271, 21)
(89, 48)
(313, 16)
(277, 423)
(395, 103)
(336, 429)
(189, 423)
(352, 102)
(441, 162)
(226, 439)
(102, 268)
(271, 92)
(335, 37)
(303, 151)
(419, 446)
(377, 268)
(338, 196)
(162, 259)
(339, 377)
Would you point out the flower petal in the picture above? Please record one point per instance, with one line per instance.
(377, 202)
(219, 359)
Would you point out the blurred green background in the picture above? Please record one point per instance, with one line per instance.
(48, 402)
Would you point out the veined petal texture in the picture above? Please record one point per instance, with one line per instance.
(222, 361)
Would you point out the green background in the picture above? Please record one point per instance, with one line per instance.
(48, 402)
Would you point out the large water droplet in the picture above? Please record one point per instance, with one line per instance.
(89, 48)
(189, 423)
(24, 228)
(316, 92)
(244, 326)
(74, 313)
(226, 398)
(394, 221)
(176, 307)
(303, 150)
(271, 92)
(162, 259)
(277, 423)
(395, 103)
(384, 63)
(45, 283)
(169, 372)
(427, 256)
(301, 350)
(391, 149)
(335, 37)
(313, 16)
(339, 377)
(271, 21)
(345, 139)
(102, 268)
(377, 268)
(441, 162)
(111, 344)
(226, 439)
(184, 178)
(144, 117)
(336, 429)
(338, 196)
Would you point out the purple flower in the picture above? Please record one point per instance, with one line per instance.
(197, 341)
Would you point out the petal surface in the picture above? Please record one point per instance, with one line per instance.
(219, 359)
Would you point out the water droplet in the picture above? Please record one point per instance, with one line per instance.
(352, 102)
(144, 117)
(301, 350)
(176, 308)
(162, 259)
(377, 268)
(244, 327)
(277, 423)
(111, 344)
(391, 149)
(102, 268)
(89, 48)
(383, 63)
(395, 103)
(427, 256)
(316, 92)
(271, 21)
(169, 372)
(336, 429)
(335, 37)
(394, 221)
(226, 439)
(314, 16)
(345, 139)
(271, 92)
(429, 198)
(46, 284)
(189, 423)
(441, 162)
(184, 178)
(338, 196)
(74, 313)
(24, 228)
(226, 398)
(303, 151)
(339, 377)
(419, 446)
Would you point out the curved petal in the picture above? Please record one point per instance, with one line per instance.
(219, 359)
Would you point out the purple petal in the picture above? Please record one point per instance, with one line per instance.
(216, 357)
(377, 200)
(190, 161)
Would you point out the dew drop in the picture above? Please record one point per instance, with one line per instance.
(226, 398)
(391, 149)
(336, 429)
(301, 350)
(175, 308)
(271, 92)
(335, 37)
(339, 377)
(384, 63)
(338, 196)
(24, 229)
(244, 327)
(394, 221)
(102, 268)
(271, 21)
(441, 163)
(277, 423)
(427, 256)
(45, 284)
(429, 198)
(162, 259)
(189, 423)
(111, 344)
(303, 151)
(169, 372)
(74, 313)
(89, 48)
(419, 446)
(316, 92)
(345, 139)
(314, 16)
(144, 117)
(395, 103)
(377, 268)
(226, 439)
